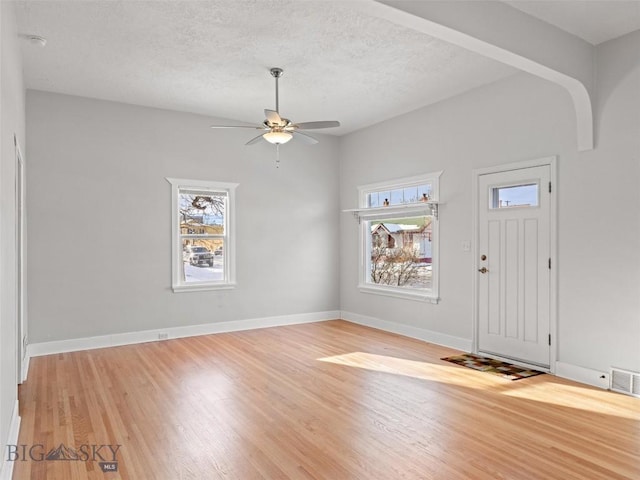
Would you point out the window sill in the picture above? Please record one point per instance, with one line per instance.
(202, 287)
(400, 293)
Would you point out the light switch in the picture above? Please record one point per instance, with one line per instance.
(466, 246)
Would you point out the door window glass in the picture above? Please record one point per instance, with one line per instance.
(514, 196)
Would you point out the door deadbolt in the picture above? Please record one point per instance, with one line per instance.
(483, 257)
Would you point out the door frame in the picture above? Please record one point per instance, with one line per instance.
(553, 247)
(20, 233)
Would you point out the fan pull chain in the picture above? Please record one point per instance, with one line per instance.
(277, 155)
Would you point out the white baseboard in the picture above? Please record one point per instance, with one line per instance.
(129, 338)
(583, 375)
(409, 331)
(25, 367)
(6, 470)
(565, 370)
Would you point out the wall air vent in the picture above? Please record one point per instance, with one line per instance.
(625, 381)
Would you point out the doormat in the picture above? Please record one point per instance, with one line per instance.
(496, 367)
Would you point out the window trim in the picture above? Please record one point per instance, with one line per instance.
(229, 281)
(365, 214)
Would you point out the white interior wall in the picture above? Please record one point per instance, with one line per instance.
(600, 224)
(12, 120)
(98, 200)
(516, 119)
(507, 121)
(99, 219)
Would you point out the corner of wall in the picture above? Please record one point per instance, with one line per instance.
(12, 122)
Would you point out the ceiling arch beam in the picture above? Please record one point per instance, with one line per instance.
(505, 34)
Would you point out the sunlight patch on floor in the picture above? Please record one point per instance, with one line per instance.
(579, 397)
(450, 374)
(554, 391)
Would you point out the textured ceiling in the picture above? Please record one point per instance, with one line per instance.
(595, 21)
(213, 57)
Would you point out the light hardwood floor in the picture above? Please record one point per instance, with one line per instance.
(330, 400)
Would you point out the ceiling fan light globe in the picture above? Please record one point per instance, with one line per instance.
(277, 138)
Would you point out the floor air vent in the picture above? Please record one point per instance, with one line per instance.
(625, 381)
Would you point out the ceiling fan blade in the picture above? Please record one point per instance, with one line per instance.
(273, 117)
(304, 138)
(254, 140)
(314, 125)
(237, 126)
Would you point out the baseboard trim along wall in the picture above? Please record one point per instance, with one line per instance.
(587, 376)
(160, 334)
(564, 370)
(6, 470)
(591, 377)
(409, 331)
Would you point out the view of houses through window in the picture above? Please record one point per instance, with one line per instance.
(399, 242)
(202, 235)
(203, 226)
(401, 252)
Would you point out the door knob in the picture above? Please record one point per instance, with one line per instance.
(483, 270)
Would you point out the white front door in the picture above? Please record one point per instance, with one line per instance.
(513, 264)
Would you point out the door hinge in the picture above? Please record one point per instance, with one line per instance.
(549, 263)
(549, 339)
(549, 187)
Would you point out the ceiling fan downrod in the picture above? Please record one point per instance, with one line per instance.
(277, 73)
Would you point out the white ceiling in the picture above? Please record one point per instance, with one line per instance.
(593, 21)
(213, 57)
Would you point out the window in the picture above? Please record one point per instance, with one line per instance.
(399, 233)
(203, 235)
(514, 196)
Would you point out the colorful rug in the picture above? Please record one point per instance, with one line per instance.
(496, 367)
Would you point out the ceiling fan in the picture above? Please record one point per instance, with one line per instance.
(279, 130)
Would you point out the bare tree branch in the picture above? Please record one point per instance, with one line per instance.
(197, 206)
(394, 266)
